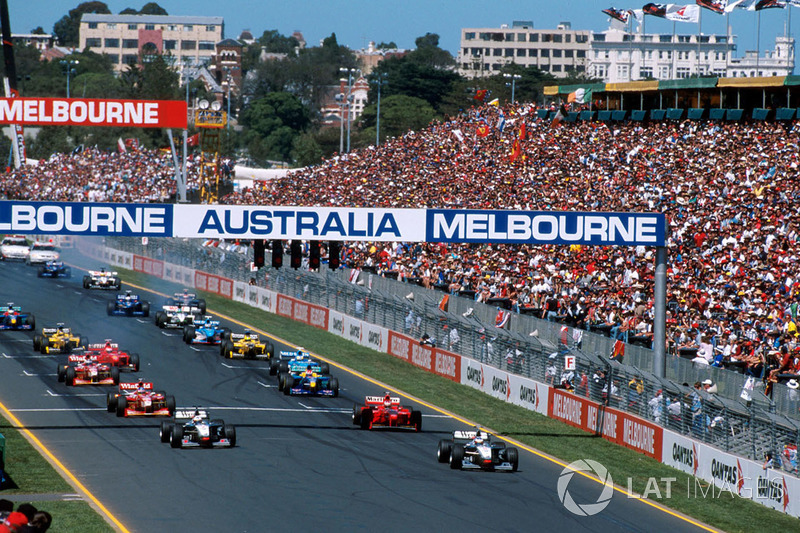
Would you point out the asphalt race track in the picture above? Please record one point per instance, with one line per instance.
(299, 463)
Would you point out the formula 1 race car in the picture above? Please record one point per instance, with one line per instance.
(59, 339)
(386, 412)
(476, 450)
(12, 318)
(296, 361)
(83, 370)
(246, 346)
(205, 331)
(109, 353)
(128, 305)
(54, 269)
(175, 316)
(139, 399)
(192, 428)
(187, 299)
(309, 383)
(101, 279)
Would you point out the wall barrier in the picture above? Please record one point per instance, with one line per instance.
(744, 477)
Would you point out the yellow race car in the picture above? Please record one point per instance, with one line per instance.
(59, 339)
(246, 346)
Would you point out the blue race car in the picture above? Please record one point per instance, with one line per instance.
(308, 383)
(12, 318)
(295, 361)
(205, 331)
(128, 305)
(55, 269)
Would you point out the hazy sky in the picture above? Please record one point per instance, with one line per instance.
(356, 22)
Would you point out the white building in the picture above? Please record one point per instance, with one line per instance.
(777, 62)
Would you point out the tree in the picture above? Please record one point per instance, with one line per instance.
(429, 54)
(38, 30)
(152, 8)
(391, 45)
(306, 150)
(271, 125)
(408, 77)
(274, 42)
(399, 114)
(67, 28)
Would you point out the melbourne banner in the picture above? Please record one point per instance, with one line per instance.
(332, 223)
(93, 112)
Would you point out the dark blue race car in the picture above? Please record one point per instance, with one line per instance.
(12, 318)
(308, 383)
(205, 331)
(187, 299)
(55, 269)
(128, 305)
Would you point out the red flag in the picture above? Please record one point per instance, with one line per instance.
(480, 95)
(483, 130)
(502, 318)
(445, 303)
(194, 140)
(522, 131)
(515, 151)
(560, 116)
(618, 352)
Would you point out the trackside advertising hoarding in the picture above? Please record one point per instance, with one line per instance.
(331, 223)
(93, 112)
(510, 388)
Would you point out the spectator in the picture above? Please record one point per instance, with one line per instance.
(709, 386)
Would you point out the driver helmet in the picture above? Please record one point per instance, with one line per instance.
(108, 347)
(140, 385)
(479, 438)
(128, 296)
(387, 400)
(208, 321)
(309, 370)
(197, 417)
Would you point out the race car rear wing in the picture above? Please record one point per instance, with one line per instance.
(240, 336)
(378, 400)
(80, 358)
(6, 309)
(465, 436)
(133, 386)
(51, 331)
(187, 413)
(100, 274)
(101, 346)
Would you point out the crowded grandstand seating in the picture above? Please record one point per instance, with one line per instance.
(729, 191)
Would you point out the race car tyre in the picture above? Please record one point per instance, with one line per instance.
(116, 283)
(40, 274)
(324, 368)
(230, 434)
(69, 377)
(43, 344)
(159, 319)
(110, 308)
(62, 373)
(115, 375)
(269, 350)
(176, 436)
(356, 414)
(287, 387)
(226, 333)
(226, 349)
(165, 431)
(67, 272)
(83, 341)
(457, 456)
(416, 420)
(443, 452)
(170, 401)
(122, 404)
(366, 419)
(273, 367)
(334, 386)
(512, 456)
(30, 320)
(134, 361)
(201, 304)
(217, 422)
(283, 366)
(37, 342)
(188, 334)
(87, 282)
(111, 402)
(281, 381)
(145, 309)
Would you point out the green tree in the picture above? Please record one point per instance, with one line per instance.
(271, 124)
(429, 54)
(50, 140)
(399, 114)
(272, 41)
(67, 28)
(391, 45)
(306, 150)
(408, 77)
(152, 8)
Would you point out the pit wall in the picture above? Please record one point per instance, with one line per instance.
(727, 472)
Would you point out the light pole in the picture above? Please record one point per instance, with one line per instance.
(350, 72)
(68, 63)
(513, 78)
(380, 80)
(228, 79)
(340, 98)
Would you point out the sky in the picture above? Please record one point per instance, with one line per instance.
(356, 22)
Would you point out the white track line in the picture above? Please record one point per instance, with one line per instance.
(56, 395)
(267, 386)
(29, 356)
(36, 375)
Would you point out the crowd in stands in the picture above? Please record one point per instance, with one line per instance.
(729, 191)
(25, 519)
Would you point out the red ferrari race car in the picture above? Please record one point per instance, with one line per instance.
(109, 353)
(386, 412)
(139, 399)
(83, 370)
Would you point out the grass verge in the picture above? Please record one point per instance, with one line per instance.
(723, 511)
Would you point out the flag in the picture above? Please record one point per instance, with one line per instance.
(515, 151)
(502, 318)
(480, 95)
(133, 144)
(656, 10)
(560, 116)
(445, 303)
(459, 135)
(618, 352)
(354, 275)
(121, 146)
(621, 15)
(194, 140)
(690, 13)
(495, 102)
(717, 6)
(501, 123)
(482, 130)
(78, 149)
(766, 4)
(580, 96)
(522, 131)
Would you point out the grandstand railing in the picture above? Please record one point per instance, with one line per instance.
(526, 346)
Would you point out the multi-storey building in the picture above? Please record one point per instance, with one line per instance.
(127, 38)
(485, 51)
(40, 41)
